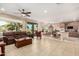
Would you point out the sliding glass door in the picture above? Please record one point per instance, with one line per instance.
(31, 28)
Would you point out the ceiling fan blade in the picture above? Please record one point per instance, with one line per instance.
(23, 10)
(28, 12)
(19, 10)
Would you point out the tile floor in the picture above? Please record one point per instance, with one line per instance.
(47, 46)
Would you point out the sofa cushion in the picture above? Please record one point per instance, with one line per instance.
(8, 33)
(23, 35)
(10, 37)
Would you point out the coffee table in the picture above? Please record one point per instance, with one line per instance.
(23, 42)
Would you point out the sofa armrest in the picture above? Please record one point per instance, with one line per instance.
(2, 48)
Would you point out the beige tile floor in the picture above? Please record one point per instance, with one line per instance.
(47, 46)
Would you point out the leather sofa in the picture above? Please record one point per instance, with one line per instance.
(9, 37)
(20, 34)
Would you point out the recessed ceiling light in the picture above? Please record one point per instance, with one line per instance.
(2, 9)
(45, 11)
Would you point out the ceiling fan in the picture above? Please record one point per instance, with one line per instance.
(23, 12)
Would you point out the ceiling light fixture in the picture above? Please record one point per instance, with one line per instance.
(2, 9)
(45, 11)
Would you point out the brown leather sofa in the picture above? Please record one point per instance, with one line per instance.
(20, 34)
(9, 37)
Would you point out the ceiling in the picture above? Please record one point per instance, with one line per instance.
(45, 12)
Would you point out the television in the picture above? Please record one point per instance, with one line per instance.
(70, 27)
